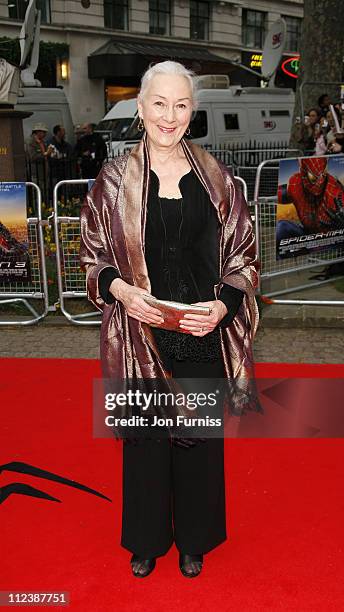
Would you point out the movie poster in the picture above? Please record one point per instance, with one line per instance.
(14, 241)
(310, 209)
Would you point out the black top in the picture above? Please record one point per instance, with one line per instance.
(93, 143)
(181, 251)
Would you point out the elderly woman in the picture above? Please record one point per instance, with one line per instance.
(168, 219)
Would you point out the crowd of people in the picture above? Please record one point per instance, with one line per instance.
(322, 132)
(53, 159)
(90, 149)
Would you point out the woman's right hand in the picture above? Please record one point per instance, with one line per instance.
(133, 302)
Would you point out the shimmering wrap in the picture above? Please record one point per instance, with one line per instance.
(113, 220)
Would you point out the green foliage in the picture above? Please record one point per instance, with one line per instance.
(9, 49)
(49, 52)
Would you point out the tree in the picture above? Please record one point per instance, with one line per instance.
(321, 54)
(49, 53)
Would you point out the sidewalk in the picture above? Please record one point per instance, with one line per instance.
(302, 316)
(56, 338)
(286, 333)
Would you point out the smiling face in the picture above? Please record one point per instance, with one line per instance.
(313, 117)
(166, 109)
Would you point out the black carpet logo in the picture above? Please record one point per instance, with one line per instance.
(24, 489)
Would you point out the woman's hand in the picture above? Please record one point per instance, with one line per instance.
(133, 302)
(335, 147)
(199, 324)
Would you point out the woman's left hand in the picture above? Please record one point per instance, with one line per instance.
(201, 325)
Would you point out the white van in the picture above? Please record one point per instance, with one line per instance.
(49, 106)
(226, 114)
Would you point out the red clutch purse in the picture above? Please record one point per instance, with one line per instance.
(173, 312)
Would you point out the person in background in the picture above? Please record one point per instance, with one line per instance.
(324, 104)
(338, 145)
(91, 150)
(78, 132)
(36, 147)
(309, 131)
(328, 139)
(63, 148)
(39, 155)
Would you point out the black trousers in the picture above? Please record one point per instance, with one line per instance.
(172, 493)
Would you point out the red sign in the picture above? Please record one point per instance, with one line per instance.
(291, 66)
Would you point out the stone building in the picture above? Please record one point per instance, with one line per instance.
(111, 42)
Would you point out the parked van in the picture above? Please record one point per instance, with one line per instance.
(49, 106)
(226, 114)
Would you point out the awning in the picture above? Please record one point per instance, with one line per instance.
(129, 58)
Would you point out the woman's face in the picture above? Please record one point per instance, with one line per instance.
(329, 118)
(166, 109)
(313, 117)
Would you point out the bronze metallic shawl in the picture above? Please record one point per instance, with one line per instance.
(112, 233)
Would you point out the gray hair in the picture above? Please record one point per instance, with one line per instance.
(171, 68)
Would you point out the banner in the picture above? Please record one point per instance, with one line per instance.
(310, 210)
(14, 241)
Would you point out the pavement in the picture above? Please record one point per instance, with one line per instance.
(287, 333)
(317, 345)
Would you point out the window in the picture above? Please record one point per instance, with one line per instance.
(279, 113)
(199, 125)
(116, 14)
(231, 121)
(159, 17)
(17, 9)
(199, 20)
(293, 33)
(253, 24)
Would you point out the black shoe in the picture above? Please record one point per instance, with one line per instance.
(190, 565)
(141, 567)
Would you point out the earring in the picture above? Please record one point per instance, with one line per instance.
(140, 126)
(187, 131)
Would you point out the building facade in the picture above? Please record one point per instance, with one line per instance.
(111, 42)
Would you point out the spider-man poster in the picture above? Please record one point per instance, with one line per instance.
(310, 210)
(14, 242)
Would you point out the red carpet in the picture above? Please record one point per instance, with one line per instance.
(285, 502)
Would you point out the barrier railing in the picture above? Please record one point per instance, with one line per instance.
(243, 186)
(271, 267)
(37, 288)
(71, 280)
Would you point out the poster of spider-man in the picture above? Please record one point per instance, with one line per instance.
(310, 209)
(14, 241)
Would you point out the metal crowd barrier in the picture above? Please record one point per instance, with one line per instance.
(71, 280)
(243, 186)
(265, 224)
(37, 288)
